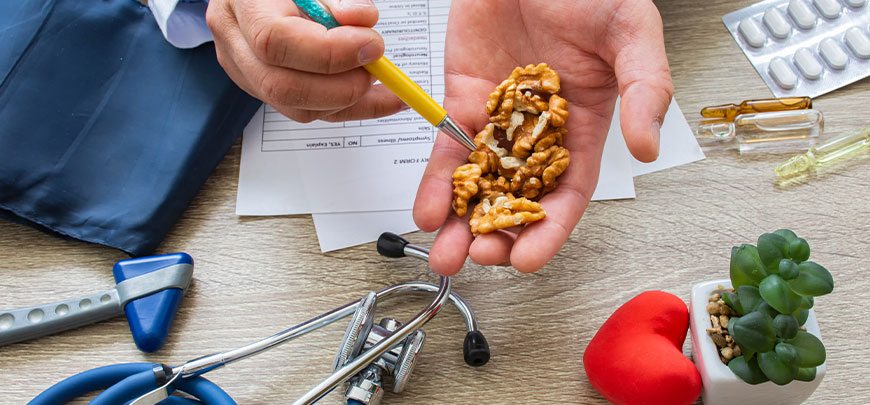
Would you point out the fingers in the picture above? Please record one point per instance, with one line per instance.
(540, 241)
(435, 193)
(641, 66)
(297, 66)
(377, 102)
(362, 13)
(450, 249)
(492, 249)
(279, 36)
(434, 196)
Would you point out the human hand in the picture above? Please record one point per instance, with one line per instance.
(296, 65)
(600, 49)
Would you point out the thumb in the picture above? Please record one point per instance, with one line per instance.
(361, 13)
(644, 79)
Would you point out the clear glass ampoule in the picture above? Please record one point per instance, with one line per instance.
(827, 153)
(771, 131)
(728, 112)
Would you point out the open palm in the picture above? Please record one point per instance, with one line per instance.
(600, 48)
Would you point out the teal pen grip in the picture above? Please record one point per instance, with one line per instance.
(317, 12)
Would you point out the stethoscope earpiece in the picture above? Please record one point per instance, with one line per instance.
(475, 349)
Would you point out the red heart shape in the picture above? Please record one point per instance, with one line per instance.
(637, 357)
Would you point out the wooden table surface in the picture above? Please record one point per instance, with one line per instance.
(257, 276)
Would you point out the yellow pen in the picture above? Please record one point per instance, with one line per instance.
(396, 80)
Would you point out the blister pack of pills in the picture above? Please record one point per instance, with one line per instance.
(805, 47)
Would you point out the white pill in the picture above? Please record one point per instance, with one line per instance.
(807, 63)
(858, 42)
(833, 54)
(828, 8)
(801, 14)
(776, 23)
(752, 32)
(781, 73)
(856, 3)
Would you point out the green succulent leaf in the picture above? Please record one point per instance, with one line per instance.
(801, 315)
(777, 293)
(778, 372)
(749, 298)
(806, 302)
(749, 354)
(813, 280)
(810, 350)
(799, 250)
(786, 353)
(787, 234)
(737, 277)
(767, 309)
(747, 370)
(806, 374)
(788, 269)
(785, 325)
(753, 331)
(746, 266)
(733, 301)
(771, 249)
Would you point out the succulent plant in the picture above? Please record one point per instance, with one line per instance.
(775, 286)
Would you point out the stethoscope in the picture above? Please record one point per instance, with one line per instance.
(367, 353)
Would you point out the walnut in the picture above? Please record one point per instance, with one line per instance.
(537, 78)
(500, 105)
(529, 102)
(490, 185)
(483, 207)
(505, 212)
(527, 89)
(533, 117)
(464, 186)
(488, 152)
(526, 182)
(526, 139)
(553, 137)
(509, 165)
(553, 161)
(517, 119)
(559, 110)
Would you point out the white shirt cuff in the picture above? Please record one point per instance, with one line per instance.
(182, 23)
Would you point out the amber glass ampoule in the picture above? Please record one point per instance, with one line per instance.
(729, 111)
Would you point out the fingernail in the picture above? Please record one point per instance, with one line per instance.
(369, 53)
(349, 4)
(656, 130)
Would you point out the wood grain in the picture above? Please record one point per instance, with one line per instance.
(257, 276)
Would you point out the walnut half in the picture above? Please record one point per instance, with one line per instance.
(504, 212)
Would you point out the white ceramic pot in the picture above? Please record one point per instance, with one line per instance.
(721, 386)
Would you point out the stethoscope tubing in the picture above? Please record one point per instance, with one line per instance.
(125, 381)
(131, 380)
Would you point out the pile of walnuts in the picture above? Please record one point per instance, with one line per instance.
(519, 153)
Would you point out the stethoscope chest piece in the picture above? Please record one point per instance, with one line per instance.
(367, 386)
(357, 330)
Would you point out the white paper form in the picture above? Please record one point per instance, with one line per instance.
(320, 167)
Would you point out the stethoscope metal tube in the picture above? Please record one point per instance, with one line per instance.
(389, 245)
